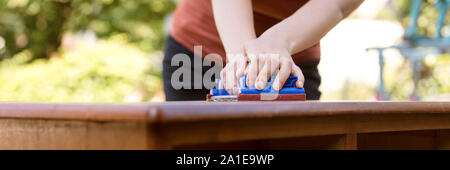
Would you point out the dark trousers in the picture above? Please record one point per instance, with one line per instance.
(309, 69)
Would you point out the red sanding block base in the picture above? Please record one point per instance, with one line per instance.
(266, 97)
(270, 97)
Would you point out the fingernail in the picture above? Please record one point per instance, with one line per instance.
(259, 85)
(276, 86)
(300, 84)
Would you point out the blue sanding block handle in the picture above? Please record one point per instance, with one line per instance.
(288, 87)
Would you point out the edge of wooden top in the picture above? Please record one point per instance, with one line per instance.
(197, 111)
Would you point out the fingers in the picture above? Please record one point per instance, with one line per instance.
(240, 67)
(252, 71)
(283, 75)
(258, 78)
(271, 66)
(296, 71)
(274, 64)
(261, 80)
(266, 60)
(232, 72)
(261, 61)
(263, 75)
(230, 83)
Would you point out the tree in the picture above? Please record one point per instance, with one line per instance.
(38, 25)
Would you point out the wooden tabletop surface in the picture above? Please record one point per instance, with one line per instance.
(198, 111)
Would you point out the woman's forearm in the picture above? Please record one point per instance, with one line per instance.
(234, 22)
(310, 23)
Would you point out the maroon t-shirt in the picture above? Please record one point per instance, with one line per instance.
(193, 24)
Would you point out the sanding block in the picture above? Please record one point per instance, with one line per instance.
(288, 92)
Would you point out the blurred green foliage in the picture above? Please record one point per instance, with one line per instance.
(108, 71)
(399, 10)
(36, 66)
(434, 78)
(37, 26)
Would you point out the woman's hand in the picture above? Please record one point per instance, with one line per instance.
(269, 56)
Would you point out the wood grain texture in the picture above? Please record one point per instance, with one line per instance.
(194, 111)
(261, 125)
(56, 134)
(71, 111)
(286, 127)
(199, 111)
(335, 142)
(406, 140)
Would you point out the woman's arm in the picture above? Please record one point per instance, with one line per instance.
(294, 34)
(310, 23)
(234, 22)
